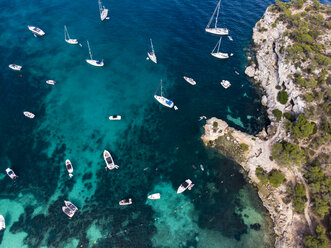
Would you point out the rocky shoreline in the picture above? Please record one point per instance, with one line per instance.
(273, 73)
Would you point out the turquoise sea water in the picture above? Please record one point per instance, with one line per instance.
(72, 123)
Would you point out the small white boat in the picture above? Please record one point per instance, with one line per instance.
(202, 117)
(201, 167)
(115, 117)
(164, 101)
(2, 223)
(155, 196)
(103, 11)
(15, 67)
(51, 82)
(151, 55)
(225, 83)
(184, 186)
(69, 167)
(68, 211)
(11, 173)
(92, 61)
(67, 37)
(190, 80)
(216, 51)
(236, 72)
(126, 202)
(71, 206)
(109, 161)
(230, 38)
(29, 114)
(216, 30)
(36, 31)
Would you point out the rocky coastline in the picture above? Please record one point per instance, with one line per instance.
(273, 72)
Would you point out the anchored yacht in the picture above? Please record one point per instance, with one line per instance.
(126, 202)
(109, 160)
(184, 186)
(11, 173)
(15, 67)
(36, 31)
(69, 167)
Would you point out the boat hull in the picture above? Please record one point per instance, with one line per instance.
(93, 62)
(190, 80)
(110, 163)
(69, 167)
(152, 57)
(51, 82)
(15, 67)
(183, 187)
(164, 101)
(68, 211)
(115, 117)
(124, 202)
(104, 14)
(29, 114)
(36, 31)
(217, 31)
(2, 222)
(155, 196)
(72, 41)
(11, 173)
(220, 55)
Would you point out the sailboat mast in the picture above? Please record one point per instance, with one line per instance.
(161, 88)
(218, 11)
(89, 49)
(212, 17)
(100, 6)
(152, 46)
(219, 45)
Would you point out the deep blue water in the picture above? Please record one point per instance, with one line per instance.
(72, 123)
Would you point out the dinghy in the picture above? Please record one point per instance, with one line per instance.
(190, 80)
(36, 31)
(115, 117)
(51, 82)
(225, 83)
(68, 211)
(219, 54)
(92, 61)
(2, 223)
(164, 101)
(155, 196)
(67, 37)
(71, 206)
(69, 167)
(216, 30)
(184, 186)
(103, 11)
(201, 167)
(15, 67)
(126, 202)
(151, 55)
(29, 114)
(109, 161)
(11, 173)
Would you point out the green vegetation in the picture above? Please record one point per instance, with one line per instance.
(282, 97)
(286, 154)
(318, 241)
(276, 178)
(299, 198)
(278, 114)
(215, 124)
(262, 175)
(289, 116)
(302, 128)
(244, 147)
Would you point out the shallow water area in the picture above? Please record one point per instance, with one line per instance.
(156, 148)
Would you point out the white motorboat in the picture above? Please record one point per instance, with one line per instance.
(15, 67)
(201, 167)
(69, 167)
(36, 31)
(230, 38)
(161, 99)
(71, 206)
(216, 30)
(68, 211)
(2, 223)
(103, 11)
(216, 51)
(109, 160)
(29, 114)
(184, 186)
(67, 37)
(51, 82)
(11, 173)
(115, 117)
(225, 83)
(190, 80)
(92, 61)
(126, 202)
(151, 55)
(155, 196)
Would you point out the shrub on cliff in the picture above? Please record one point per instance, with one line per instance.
(318, 241)
(322, 60)
(298, 4)
(282, 97)
(286, 153)
(302, 128)
(276, 178)
(299, 198)
(278, 114)
(261, 174)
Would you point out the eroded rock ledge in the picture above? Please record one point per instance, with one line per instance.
(250, 152)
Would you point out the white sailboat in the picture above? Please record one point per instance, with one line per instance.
(36, 31)
(151, 55)
(2, 223)
(216, 51)
(216, 30)
(67, 37)
(92, 61)
(164, 101)
(103, 11)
